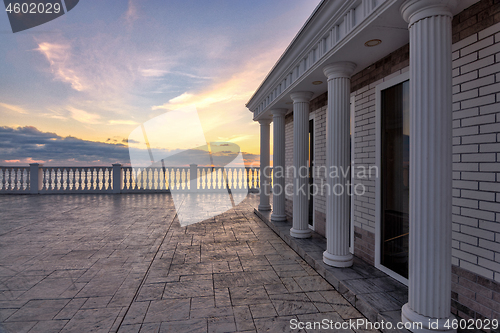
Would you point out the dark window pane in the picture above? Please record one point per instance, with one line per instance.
(395, 178)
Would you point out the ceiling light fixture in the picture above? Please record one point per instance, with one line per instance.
(317, 82)
(373, 42)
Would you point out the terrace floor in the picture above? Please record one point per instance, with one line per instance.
(123, 263)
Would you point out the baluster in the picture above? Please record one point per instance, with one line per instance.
(68, 179)
(170, 183)
(212, 177)
(3, 180)
(136, 180)
(183, 178)
(92, 179)
(140, 178)
(97, 185)
(50, 181)
(131, 178)
(86, 175)
(163, 179)
(134, 171)
(238, 178)
(148, 178)
(258, 176)
(110, 179)
(125, 178)
(21, 180)
(234, 178)
(9, 179)
(78, 178)
(15, 178)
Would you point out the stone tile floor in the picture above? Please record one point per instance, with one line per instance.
(123, 263)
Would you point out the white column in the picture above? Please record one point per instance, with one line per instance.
(429, 282)
(300, 227)
(338, 154)
(278, 165)
(264, 164)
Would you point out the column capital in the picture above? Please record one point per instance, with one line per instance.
(415, 10)
(301, 96)
(278, 112)
(339, 69)
(265, 121)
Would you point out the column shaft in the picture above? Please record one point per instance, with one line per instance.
(429, 285)
(338, 158)
(300, 227)
(278, 165)
(264, 164)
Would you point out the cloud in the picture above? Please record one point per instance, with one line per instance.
(84, 116)
(15, 108)
(123, 122)
(23, 145)
(59, 56)
(131, 14)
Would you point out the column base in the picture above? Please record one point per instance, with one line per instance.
(300, 233)
(278, 218)
(337, 261)
(429, 325)
(264, 208)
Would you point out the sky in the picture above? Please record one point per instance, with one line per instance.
(74, 89)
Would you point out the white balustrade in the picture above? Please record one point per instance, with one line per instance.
(14, 179)
(43, 179)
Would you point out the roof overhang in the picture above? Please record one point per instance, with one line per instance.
(336, 31)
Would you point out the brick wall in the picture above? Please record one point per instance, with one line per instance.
(474, 296)
(476, 167)
(476, 18)
(319, 115)
(288, 162)
(476, 153)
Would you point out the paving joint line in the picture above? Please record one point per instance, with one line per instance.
(145, 274)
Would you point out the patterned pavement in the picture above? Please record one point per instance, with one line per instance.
(123, 263)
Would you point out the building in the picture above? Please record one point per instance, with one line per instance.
(399, 100)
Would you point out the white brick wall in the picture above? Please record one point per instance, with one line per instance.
(320, 155)
(476, 152)
(288, 154)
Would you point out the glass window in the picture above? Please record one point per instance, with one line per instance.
(395, 178)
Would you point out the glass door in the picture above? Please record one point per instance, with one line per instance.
(395, 148)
